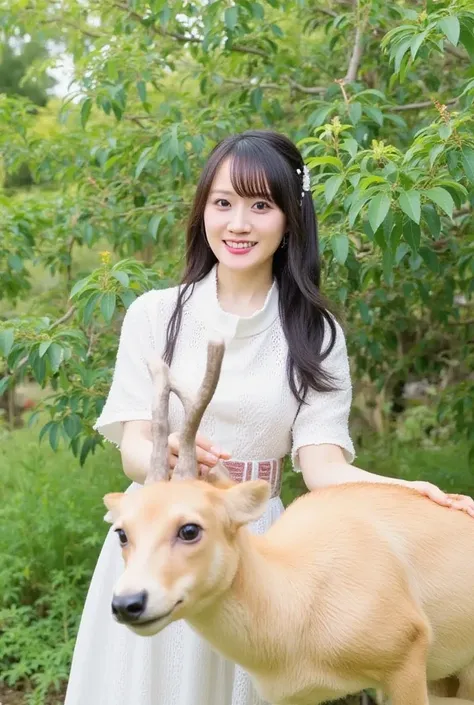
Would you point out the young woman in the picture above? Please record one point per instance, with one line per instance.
(252, 276)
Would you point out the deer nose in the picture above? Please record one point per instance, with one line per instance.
(129, 608)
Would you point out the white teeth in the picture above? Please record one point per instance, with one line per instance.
(239, 245)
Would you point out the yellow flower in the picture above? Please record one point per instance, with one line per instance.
(105, 256)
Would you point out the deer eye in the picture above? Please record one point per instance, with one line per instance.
(122, 536)
(190, 533)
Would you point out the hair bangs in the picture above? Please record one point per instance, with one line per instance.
(250, 176)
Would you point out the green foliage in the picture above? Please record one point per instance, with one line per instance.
(378, 95)
(52, 531)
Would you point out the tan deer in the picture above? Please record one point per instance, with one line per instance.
(355, 586)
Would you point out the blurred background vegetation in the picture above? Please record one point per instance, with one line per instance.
(107, 113)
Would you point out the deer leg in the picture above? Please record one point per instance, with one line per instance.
(466, 684)
(407, 684)
(436, 700)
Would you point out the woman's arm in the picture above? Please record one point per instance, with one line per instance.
(323, 465)
(135, 449)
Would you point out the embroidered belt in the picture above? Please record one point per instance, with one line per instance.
(269, 470)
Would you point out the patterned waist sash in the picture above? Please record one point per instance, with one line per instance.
(269, 470)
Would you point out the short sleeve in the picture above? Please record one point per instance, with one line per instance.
(129, 397)
(324, 417)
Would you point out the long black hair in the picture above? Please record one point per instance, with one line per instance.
(267, 164)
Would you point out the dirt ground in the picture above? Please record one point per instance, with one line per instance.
(17, 697)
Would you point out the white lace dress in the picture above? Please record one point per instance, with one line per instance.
(253, 415)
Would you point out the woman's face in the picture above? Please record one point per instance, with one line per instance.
(243, 233)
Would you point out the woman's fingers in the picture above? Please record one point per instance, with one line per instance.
(207, 455)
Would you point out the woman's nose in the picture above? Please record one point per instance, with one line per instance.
(238, 222)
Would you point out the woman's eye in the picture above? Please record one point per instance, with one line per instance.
(122, 536)
(261, 205)
(222, 202)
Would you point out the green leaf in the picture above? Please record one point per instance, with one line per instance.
(86, 108)
(378, 209)
(107, 305)
(412, 234)
(340, 247)
(451, 28)
(7, 337)
(410, 204)
(374, 114)
(4, 383)
(79, 286)
(467, 39)
(430, 259)
(435, 152)
(256, 98)
(231, 17)
(56, 356)
(141, 90)
(387, 265)
(402, 250)
(144, 158)
(445, 131)
(442, 198)
(53, 436)
(15, 263)
(258, 11)
(154, 225)
(416, 43)
(43, 348)
(432, 219)
(72, 425)
(121, 277)
(332, 186)
(355, 112)
(468, 162)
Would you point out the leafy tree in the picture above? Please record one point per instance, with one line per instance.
(378, 94)
(16, 57)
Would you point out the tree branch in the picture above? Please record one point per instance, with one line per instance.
(458, 53)
(356, 56)
(418, 106)
(184, 37)
(69, 314)
(67, 23)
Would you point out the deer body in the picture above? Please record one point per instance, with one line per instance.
(354, 586)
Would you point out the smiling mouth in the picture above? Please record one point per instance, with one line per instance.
(240, 245)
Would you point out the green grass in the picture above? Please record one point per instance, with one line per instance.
(53, 529)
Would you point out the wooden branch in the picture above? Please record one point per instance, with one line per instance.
(312, 90)
(184, 37)
(458, 53)
(418, 106)
(69, 314)
(356, 56)
(67, 23)
(324, 11)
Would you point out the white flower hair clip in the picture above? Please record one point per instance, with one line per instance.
(306, 179)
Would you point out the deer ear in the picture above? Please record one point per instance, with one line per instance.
(246, 501)
(112, 502)
(219, 477)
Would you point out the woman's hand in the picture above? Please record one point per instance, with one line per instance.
(207, 454)
(456, 501)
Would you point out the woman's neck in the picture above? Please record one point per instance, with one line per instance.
(243, 293)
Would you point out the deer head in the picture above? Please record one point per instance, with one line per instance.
(178, 538)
